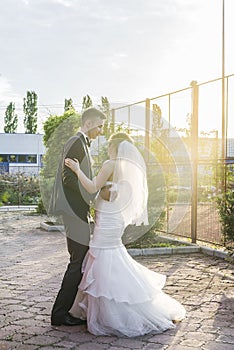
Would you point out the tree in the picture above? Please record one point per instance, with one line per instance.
(68, 105)
(53, 122)
(87, 102)
(105, 107)
(187, 130)
(57, 130)
(30, 111)
(157, 123)
(160, 135)
(11, 119)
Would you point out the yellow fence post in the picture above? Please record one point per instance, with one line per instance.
(147, 128)
(194, 158)
(113, 120)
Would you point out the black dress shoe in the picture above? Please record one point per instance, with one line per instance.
(68, 320)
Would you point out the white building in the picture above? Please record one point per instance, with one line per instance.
(21, 153)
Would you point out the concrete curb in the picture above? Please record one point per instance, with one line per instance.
(18, 207)
(165, 251)
(47, 227)
(178, 250)
(189, 248)
(214, 252)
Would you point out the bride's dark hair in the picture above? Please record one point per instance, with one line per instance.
(116, 139)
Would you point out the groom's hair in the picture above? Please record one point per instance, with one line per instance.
(92, 113)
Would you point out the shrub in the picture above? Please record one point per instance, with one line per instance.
(226, 209)
(19, 189)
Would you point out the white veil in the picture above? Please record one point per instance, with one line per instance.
(132, 189)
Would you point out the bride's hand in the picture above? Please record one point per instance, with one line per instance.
(73, 164)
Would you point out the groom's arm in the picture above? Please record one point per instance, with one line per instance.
(76, 150)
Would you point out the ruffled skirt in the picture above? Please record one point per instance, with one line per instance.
(119, 296)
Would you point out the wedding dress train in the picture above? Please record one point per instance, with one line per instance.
(117, 295)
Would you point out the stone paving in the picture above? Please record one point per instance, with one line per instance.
(32, 265)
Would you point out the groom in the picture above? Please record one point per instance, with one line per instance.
(71, 200)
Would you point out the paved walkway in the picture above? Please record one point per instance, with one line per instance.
(32, 265)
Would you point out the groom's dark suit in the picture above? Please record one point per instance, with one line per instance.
(71, 200)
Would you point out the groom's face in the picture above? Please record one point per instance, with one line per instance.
(95, 127)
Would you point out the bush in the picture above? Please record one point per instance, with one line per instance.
(40, 207)
(226, 209)
(19, 189)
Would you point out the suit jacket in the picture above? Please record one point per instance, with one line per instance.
(68, 195)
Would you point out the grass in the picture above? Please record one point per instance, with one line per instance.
(154, 245)
(152, 240)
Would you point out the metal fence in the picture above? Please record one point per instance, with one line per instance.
(189, 133)
(188, 139)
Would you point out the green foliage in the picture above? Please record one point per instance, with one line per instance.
(103, 151)
(68, 105)
(137, 235)
(57, 130)
(11, 119)
(157, 123)
(53, 122)
(19, 189)
(87, 102)
(108, 125)
(30, 111)
(40, 207)
(146, 239)
(5, 197)
(226, 209)
(105, 106)
(143, 236)
(122, 127)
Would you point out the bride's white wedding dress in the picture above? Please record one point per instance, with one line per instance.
(117, 295)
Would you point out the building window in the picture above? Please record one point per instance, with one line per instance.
(18, 158)
(22, 158)
(32, 159)
(3, 158)
(13, 158)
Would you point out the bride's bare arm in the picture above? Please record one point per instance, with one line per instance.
(97, 183)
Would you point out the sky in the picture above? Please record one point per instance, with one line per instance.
(126, 50)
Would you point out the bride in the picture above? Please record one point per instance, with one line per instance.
(117, 295)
